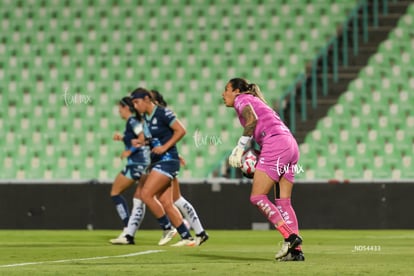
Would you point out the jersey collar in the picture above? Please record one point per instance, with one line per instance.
(149, 117)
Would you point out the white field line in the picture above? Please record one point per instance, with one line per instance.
(85, 259)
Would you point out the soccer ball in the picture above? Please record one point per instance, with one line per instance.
(249, 160)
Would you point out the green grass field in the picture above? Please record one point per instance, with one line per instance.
(327, 252)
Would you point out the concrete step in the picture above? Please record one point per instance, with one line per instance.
(342, 86)
(388, 20)
(360, 60)
(352, 69)
(346, 74)
(342, 80)
(399, 7)
(374, 33)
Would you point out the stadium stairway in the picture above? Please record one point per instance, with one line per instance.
(386, 22)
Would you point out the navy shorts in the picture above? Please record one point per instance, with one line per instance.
(134, 171)
(169, 168)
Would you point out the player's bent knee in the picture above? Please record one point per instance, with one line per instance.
(255, 199)
(115, 191)
(146, 195)
(164, 203)
(137, 194)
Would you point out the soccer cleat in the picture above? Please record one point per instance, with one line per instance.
(127, 239)
(185, 242)
(201, 239)
(123, 233)
(290, 243)
(294, 256)
(167, 236)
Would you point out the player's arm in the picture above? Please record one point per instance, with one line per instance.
(139, 141)
(138, 129)
(128, 148)
(183, 163)
(117, 137)
(178, 133)
(250, 119)
(125, 154)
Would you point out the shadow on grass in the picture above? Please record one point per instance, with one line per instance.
(217, 257)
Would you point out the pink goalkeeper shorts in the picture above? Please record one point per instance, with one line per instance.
(279, 157)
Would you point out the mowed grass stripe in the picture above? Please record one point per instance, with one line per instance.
(327, 252)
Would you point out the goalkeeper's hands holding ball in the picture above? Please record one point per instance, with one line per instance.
(236, 154)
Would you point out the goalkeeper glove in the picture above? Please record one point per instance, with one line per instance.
(236, 154)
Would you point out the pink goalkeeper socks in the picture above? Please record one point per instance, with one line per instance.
(288, 214)
(272, 213)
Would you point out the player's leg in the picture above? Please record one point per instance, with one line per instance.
(120, 184)
(292, 243)
(166, 198)
(170, 209)
(283, 203)
(189, 213)
(270, 170)
(262, 184)
(285, 187)
(283, 200)
(284, 206)
(157, 182)
(173, 213)
(135, 219)
(176, 196)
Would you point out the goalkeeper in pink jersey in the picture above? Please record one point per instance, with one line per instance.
(276, 163)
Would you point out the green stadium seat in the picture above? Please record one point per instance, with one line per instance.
(187, 51)
(379, 111)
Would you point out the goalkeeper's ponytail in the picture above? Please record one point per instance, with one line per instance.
(247, 88)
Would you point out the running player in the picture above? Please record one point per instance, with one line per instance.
(138, 159)
(180, 202)
(185, 207)
(279, 150)
(165, 131)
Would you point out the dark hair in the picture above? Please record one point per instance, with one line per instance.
(247, 88)
(158, 98)
(140, 93)
(127, 101)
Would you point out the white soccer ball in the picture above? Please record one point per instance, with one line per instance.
(249, 161)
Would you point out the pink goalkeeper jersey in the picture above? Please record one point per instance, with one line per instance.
(268, 121)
